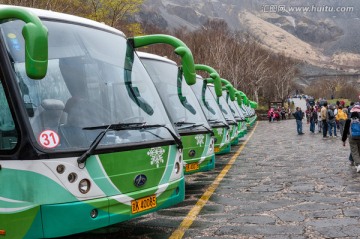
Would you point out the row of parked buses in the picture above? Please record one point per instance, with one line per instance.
(92, 132)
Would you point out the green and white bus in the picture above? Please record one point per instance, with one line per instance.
(237, 115)
(184, 111)
(249, 111)
(89, 143)
(213, 114)
(243, 128)
(229, 117)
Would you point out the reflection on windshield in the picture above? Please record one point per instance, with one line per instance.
(208, 102)
(177, 96)
(181, 96)
(244, 111)
(134, 92)
(93, 79)
(224, 106)
(232, 106)
(237, 107)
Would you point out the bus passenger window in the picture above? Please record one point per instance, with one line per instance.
(8, 133)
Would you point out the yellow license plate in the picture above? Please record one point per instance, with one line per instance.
(191, 167)
(216, 149)
(143, 204)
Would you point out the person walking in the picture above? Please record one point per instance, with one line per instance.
(352, 125)
(271, 115)
(313, 119)
(307, 113)
(323, 113)
(320, 125)
(283, 114)
(331, 121)
(335, 113)
(341, 117)
(289, 112)
(349, 109)
(299, 115)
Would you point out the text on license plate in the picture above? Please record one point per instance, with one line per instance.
(143, 204)
(191, 167)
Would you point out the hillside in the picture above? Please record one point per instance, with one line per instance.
(325, 40)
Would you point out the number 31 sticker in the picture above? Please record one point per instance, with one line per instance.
(49, 139)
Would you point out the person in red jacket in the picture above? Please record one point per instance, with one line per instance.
(271, 114)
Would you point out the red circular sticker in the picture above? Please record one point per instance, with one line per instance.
(49, 139)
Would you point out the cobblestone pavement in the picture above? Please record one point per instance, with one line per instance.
(282, 185)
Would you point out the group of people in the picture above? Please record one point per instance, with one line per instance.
(275, 114)
(328, 119)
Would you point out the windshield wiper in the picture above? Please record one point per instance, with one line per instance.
(191, 126)
(93, 145)
(230, 120)
(180, 123)
(238, 118)
(209, 130)
(198, 125)
(214, 121)
(121, 126)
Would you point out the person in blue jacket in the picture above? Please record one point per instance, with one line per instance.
(299, 115)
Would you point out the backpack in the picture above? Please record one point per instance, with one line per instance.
(355, 128)
(314, 116)
(331, 114)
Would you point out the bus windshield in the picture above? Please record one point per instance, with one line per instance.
(237, 107)
(93, 79)
(208, 102)
(176, 94)
(244, 111)
(224, 107)
(232, 106)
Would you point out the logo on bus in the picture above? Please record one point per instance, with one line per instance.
(199, 139)
(140, 180)
(156, 155)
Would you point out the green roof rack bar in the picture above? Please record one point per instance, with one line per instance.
(181, 49)
(215, 78)
(230, 88)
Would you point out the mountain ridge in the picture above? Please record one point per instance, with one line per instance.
(322, 39)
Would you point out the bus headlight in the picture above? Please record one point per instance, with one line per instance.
(211, 146)
(84, 186)
(177, 167)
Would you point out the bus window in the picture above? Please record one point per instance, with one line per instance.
(8, 133)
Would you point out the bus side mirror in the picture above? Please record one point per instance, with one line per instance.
(36, 50)
(217, 84)
(36, 41)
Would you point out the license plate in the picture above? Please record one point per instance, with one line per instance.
(216, 149)
(143, 204)
(191, 167)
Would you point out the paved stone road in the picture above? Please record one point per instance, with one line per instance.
(282, 185)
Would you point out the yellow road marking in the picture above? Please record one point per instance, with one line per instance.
(191, 216)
